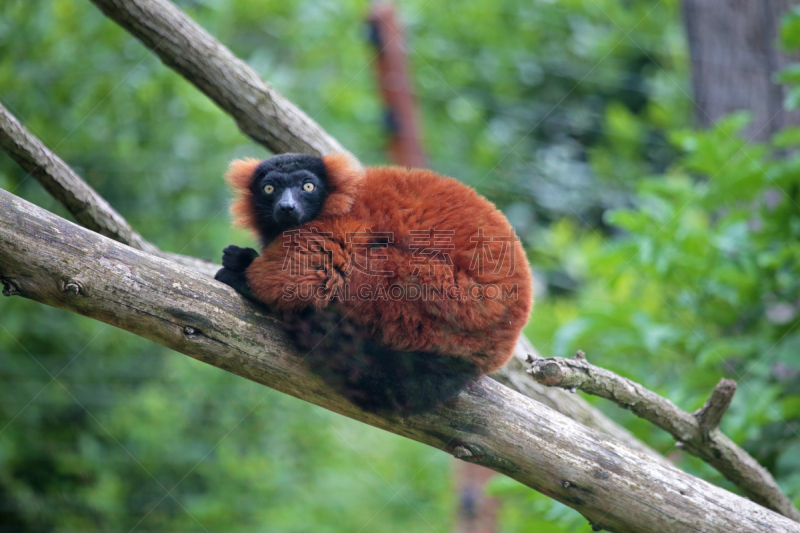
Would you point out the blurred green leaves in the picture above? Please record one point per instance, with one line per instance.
(702, 283)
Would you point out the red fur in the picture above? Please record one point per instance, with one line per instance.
(398, 200)
(344, 179)
(238, 178)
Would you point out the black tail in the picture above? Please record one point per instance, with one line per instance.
(373, 377)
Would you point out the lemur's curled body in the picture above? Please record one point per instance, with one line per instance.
(400, 285)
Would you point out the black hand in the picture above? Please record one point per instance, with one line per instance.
(237, 280)
(237, 259)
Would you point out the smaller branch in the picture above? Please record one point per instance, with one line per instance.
(709, 416)
(514, 376)
(89, 208)
(63, 184)
(697, 434)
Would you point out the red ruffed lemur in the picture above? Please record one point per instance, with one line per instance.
(400, 285)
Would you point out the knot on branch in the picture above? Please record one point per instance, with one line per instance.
(9, 287)
(461, 452)
(192, 333)
(72, 287)
(546, 372)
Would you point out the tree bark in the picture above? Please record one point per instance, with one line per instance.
(52, 261)
(732, 44)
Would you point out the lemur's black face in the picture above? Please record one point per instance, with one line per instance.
(288, 190)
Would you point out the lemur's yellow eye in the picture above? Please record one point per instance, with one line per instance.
(268, 189)
(308, 187)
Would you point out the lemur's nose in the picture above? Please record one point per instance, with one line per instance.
(287, 208)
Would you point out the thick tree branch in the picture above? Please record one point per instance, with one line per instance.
(697, 434)
(53, 261)
(89, 208)
(260, 111)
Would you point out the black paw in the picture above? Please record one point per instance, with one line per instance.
(237, 280)
(237, 259)
(229, 277)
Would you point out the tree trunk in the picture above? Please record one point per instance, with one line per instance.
(734, 57)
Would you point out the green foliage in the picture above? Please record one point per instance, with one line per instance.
(790, 41)
(702, 284)
(516, 96)
(790, 29)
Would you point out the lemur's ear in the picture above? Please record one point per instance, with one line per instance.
(239, 175)
(345, 176)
